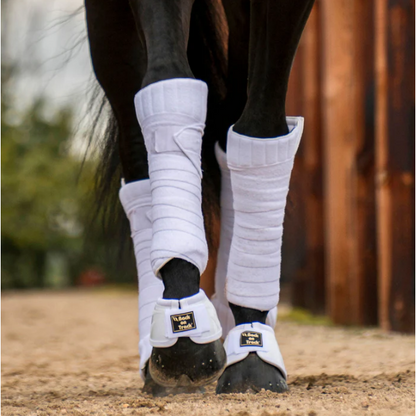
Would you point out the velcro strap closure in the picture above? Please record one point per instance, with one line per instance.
(163, 139)
(186, 322)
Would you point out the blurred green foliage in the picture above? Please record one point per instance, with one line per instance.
(45, 209)
(39, 181)
(40, 196)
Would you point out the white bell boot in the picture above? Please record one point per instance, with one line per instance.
(185, 335)
(193, 317)
(254, 337)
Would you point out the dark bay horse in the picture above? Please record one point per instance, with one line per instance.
(150, 55)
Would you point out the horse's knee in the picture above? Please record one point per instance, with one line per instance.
(165, 26)
(270, 64)
(118, 56)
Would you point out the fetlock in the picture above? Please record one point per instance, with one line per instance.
(180, 279)
(243, 315)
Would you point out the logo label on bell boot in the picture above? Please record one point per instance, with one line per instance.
(183, 322)
(251, 339)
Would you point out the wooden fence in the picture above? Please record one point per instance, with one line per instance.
(349, 232)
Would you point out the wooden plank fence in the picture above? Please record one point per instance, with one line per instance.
(352, 229)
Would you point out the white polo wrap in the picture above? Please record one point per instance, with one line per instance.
(260, 175)
(172, 117)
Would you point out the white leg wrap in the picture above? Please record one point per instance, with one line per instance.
(136, 200)
(260, 175)
(227, 225)
(172, 115)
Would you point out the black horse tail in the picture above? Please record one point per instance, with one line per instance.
(207, 55)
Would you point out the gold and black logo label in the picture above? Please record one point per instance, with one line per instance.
(183, 322)
(251, 339)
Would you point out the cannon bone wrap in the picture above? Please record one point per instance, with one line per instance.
(227, 224)
(194, 317)
(136, 200)
(260, 175)
(254, 337)
(172, 117)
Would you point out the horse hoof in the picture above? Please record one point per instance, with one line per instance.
(251, 375)
(254, 361)
(151, 387)
(187, 364)
(185, 335)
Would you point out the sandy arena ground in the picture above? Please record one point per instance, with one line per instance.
(75, 353)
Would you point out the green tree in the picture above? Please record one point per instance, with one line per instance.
(43, 202)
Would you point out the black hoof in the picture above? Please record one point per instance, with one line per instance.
(155, 390)
(151, 387)
(187, 364)
(251, 375)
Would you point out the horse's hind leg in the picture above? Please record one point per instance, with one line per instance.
(171, 109)
(260, 150)
(119, 62)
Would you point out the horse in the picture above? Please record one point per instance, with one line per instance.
(197, 89)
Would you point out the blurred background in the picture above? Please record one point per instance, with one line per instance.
(349, 232)
(47, 85)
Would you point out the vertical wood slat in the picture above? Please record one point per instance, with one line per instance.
(314, 271)
(344, 80)
(293, 250)
(349, 103)
(364, 245)
(395, 49)
(308, 281)
(338, 137)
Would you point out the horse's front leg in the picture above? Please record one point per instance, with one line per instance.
(171, 109)
(165, 26)
(260, 151)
